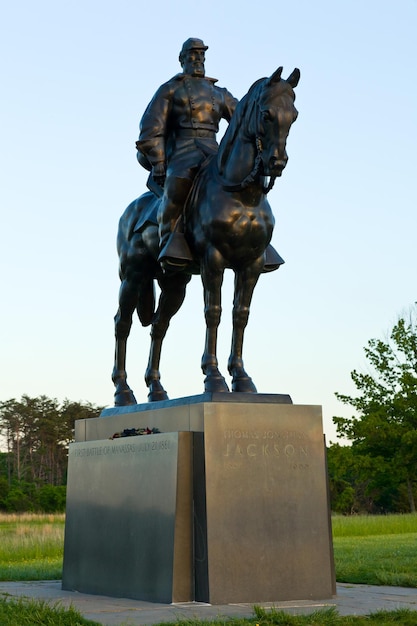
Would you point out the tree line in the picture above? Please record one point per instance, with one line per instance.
(377, 473)
(35, 434)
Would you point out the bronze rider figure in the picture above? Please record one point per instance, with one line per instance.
(177, 133)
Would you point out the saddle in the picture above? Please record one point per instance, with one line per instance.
(176, 252)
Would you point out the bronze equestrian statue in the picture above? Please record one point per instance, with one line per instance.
(224, 222)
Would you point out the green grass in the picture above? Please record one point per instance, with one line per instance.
(376, 550)
(377, 560)
(24, 612)
(330, 617)
(366, 525)
(37, 613)
(31, 546)
(368, 549)
(323, 617)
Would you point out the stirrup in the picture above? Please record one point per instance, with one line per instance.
(272, 260)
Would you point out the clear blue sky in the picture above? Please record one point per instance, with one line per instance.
(76, 77)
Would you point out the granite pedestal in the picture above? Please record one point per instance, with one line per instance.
(257, 483)
(128, 530)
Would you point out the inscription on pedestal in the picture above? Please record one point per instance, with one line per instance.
(287, 449)
(120, 449)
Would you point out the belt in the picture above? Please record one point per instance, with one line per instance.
(195, 132)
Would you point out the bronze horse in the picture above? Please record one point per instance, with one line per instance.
(228, 224)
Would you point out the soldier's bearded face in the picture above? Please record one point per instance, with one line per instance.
(193, 62)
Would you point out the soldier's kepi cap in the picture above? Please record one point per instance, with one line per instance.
(192, 44)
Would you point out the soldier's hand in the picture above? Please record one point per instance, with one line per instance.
(159, 174)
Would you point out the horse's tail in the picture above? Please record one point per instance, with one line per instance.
(146, 302)
(136, 260)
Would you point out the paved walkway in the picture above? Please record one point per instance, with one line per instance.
(350, 600)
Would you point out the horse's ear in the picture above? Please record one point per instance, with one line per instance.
(294, 77)
(276, 76)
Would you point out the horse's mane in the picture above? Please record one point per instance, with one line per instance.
(243, 112)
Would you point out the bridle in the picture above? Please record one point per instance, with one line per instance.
(254, 173)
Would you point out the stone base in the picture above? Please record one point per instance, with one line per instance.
(264, 532)
(128, 530)
(261, 526)
(182, 414)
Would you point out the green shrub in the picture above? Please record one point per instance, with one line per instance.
(24, 497)
(51, 498)
(20, 499)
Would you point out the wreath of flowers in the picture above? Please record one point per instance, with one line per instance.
(134, 432)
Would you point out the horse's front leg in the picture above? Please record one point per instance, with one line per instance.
(212, 272)
(128, 294)
(171, 298)
(245, 282)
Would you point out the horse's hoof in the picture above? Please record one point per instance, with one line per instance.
(125, 397)
(157, 392)
(243, 385)
(157, 396)
(215, 384)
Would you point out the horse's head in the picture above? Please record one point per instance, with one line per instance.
(253, 146)
(275, 112)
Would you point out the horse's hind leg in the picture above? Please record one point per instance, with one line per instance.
(170, 300)
(245, 283)
(128, 297)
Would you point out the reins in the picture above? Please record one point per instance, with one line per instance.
(253, 175)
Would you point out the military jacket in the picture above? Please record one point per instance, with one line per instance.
(180, 106)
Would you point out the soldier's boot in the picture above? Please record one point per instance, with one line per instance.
(175, 254)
